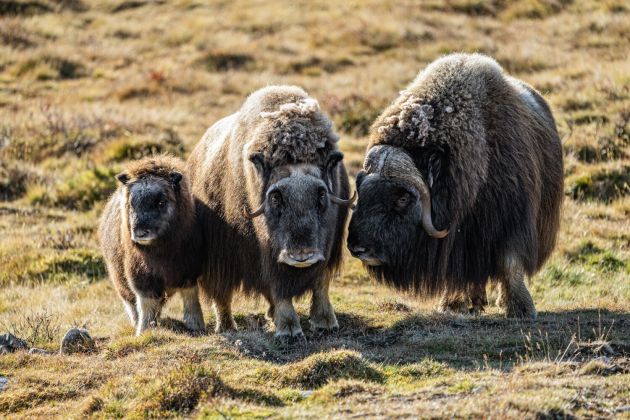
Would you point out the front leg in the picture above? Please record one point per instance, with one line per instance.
(513, 293)
(148, 312)
(193, 316)
(223, 314)
(322, 315)
(286, 320)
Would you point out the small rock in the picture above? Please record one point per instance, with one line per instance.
(3, 382)
(77, 340)
(11, 343)
(35, 350)
(306, 394)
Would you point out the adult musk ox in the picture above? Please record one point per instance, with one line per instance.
(462, 182)
(273, 201)
(150, 241)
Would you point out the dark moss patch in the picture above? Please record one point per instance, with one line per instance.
(222, 61)
(316, 65)
(605, 185)
(49, 67)
(23, 8)
(588, 118)
(605, 150)
(13, 180)
(595, 258)
(134, 4)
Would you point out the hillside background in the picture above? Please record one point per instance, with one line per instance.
(86, 85)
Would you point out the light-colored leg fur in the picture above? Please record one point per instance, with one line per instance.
(286, 320)
(514, 296)
(193, 316)
(322, 314)
(223, 316)
(131, 312)
(148, 313)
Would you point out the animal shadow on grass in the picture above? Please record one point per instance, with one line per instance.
(461, 341)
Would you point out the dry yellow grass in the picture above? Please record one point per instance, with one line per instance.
(86, 85)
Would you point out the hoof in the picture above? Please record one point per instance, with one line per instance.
(524, 314)
(221, 328)
(327, 324)
(286, 340)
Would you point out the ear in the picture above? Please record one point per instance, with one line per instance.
(123, 178)
(175, 178)
(259, 161)
(332, 161)
(360, 177)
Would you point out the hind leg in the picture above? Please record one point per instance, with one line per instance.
(478, 297)
(193, 316)
(453, 302)
(322, 313)
(513, 293)
(223, 314)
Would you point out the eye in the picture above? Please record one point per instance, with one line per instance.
(275, 198)
(321, 194)
(161, 204)
(403, 201)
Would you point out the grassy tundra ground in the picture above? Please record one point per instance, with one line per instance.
(86, 85)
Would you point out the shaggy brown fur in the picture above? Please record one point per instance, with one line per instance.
(292, 140)
(145, 275)
(486, 146)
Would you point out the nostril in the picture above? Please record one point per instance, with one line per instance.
(301, 256)
(358, 249)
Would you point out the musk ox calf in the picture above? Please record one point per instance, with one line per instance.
(150, 242)
(462, 182)
(273, 201)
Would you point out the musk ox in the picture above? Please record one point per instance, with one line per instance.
(462, 182)
(150, 241)
(273, 202)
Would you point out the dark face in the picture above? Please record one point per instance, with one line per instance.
(385, 220)
(298, 216)
(151, 209)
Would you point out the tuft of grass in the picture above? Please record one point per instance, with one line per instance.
(427, 368)
(81, 192)
(318, 369)
(130, 149)
(534, 9)
(49, 67)
(177, 393)
(38, 329)
(132, 344)
(353, 114)
(13, 180)
(83, 263)
(595, 258)
(606, 185)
